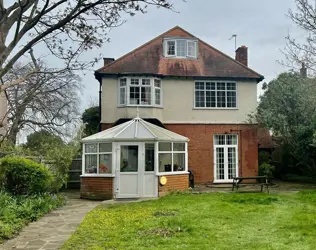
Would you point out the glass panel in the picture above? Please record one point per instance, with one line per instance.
(105, 147)
(146, 96)
(221, 99)
(149, 157)
(178, 162)
(157, 83)
(157, 96)
(122, 95)
(129, 158)
(105, 164)
(165, 162)
(220, 164)
(231, 86)
(146, 81)
(220, 140)
(213, 99)
(200, 99)
(91, 148)
(231, 163)
(171, 48)
(213, 85)
(231, 99)
(221, 86)
(199, 85)
(231, 139)
(122, 82)
(191, 49)
(134, 81)
(181, 48)
(90, 164)
(179, 146)
(164, 146)
(208, 99)
(134, 95)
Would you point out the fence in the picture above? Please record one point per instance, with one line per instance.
(74, 174)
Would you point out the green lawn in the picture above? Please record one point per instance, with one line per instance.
(204, 221)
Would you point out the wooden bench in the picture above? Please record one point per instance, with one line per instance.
(260, 180)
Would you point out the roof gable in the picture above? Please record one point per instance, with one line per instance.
(149, 59)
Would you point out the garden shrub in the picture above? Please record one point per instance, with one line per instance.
(266, 169)
(22, 176)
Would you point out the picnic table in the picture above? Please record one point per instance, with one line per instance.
(259, 180)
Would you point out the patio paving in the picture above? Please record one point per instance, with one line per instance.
(53, 229)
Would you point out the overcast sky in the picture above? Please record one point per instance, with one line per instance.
(260, 25)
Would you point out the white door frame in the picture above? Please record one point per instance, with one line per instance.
(225, 147)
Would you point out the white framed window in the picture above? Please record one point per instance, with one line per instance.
(180, 48)
(97, 158)
(140, 91)
(172, 157)
(208, 94)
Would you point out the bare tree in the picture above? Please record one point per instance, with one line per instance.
(67, 28)
(47, 101)
(300, 51)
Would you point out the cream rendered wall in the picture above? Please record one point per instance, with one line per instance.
(178, 104)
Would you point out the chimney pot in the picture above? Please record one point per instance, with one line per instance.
(107, 60)
(242, 55)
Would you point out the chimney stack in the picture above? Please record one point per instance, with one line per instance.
(303, 70)
(107, 60)
(242, 55)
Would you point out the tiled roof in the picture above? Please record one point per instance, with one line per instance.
(149, 59)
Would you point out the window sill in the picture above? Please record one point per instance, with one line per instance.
(97, 175)
(215, 108)
(223, 181)
(139, 106)
(171, 173)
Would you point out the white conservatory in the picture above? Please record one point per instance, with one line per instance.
(133, 160)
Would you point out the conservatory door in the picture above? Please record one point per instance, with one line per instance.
(133, 178)
(225, 158)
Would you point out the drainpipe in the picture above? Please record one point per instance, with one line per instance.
(100, 106)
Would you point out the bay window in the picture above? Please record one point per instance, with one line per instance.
(180, 47)
(215, 94)
(139, 91)
(98, 158)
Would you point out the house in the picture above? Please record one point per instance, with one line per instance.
(177, 83)
(3, 113)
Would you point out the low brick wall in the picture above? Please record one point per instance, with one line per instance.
(96, 188)
(174, 183)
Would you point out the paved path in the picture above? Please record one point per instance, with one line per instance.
(53, 229)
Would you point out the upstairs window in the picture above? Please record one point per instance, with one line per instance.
(215, 94)
(138, 91)
(181, 48)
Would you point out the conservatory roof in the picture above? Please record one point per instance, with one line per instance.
(135, 130)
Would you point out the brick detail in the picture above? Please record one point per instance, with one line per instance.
(201, 147)
(96, 188)
(174, 183)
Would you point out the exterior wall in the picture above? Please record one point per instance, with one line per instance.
(96, 188)
(3, 111)
(201, 148)
(179, 95)
(174, 183)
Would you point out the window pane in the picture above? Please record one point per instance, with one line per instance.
(178, 146)
(208, 85)
(220, 165)
(164, 146)
(105, 147)
(134, 95)
(157, 96)
(181, 48)
(231, 86)
(231, 163)
(122, 82)
(221, 99)
(179, 162)
(219, 139)
(231, 99)
(220, 86)
(199, 99)
(213, 85)
(134, 81)
(123, 95)
(165, 162)
(91, 148)
(145, 81)
(157, 83)
(171, 50)
(90, 164)
(129, 159)
(199, 86)
(213, 99)
(105, 164)
(191, 49)
(231, 139)
(208, 99)
(146, 96)
(149, 157)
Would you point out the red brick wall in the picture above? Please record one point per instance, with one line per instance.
(105, 126)
(96, 188)
(174, 183)
(201, 148)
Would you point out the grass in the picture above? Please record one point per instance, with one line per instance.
(17, 211)
(204, 221)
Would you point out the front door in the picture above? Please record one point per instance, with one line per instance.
(135, 175)
(225, 157)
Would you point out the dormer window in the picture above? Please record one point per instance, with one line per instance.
(180, 48)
